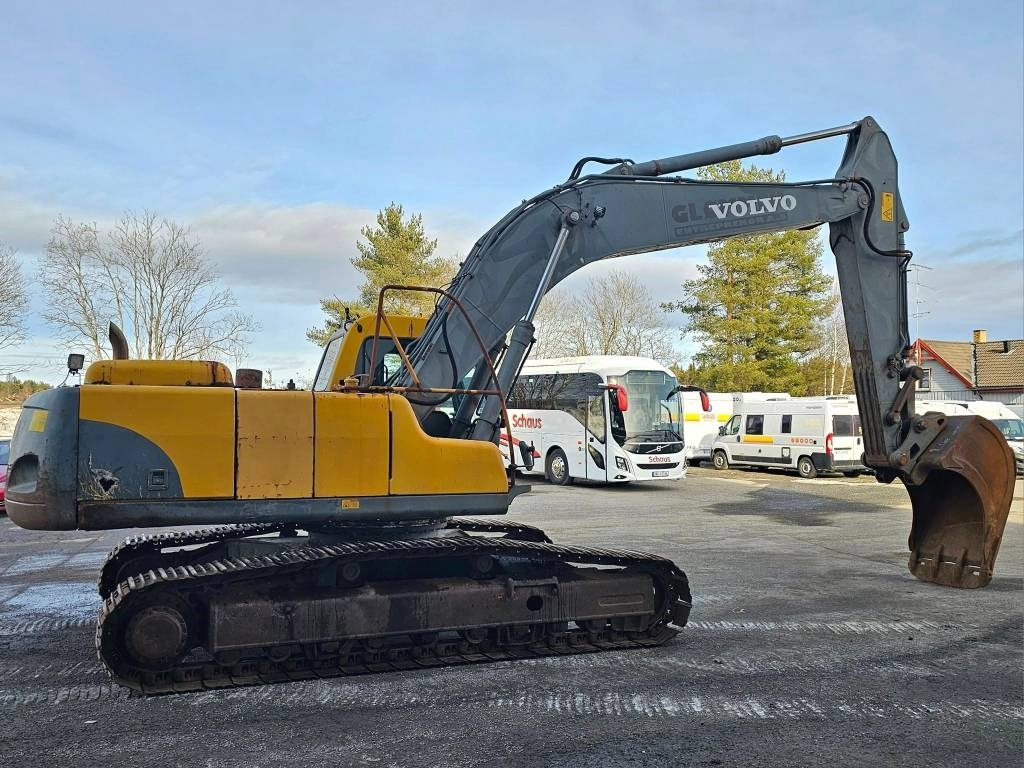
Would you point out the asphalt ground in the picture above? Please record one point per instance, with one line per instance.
(809, 644)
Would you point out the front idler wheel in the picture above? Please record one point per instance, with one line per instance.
(159, 633)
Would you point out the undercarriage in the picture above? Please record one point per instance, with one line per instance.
(252, 604)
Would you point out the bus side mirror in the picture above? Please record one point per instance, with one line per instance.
(721, 430)
(623, 399)
(526, 452)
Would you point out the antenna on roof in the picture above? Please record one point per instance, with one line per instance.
(917, 298)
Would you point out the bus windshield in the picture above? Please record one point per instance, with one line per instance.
(649, 416)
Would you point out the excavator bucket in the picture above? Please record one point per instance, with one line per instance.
(961, 491)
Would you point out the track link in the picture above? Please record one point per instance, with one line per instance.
(332, 658)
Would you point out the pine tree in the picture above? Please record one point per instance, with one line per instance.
(756, 303)
(396, 252)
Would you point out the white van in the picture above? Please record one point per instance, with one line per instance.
(700, 427)
(1008, 422)
(808, 434)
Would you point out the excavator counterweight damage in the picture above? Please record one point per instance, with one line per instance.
(961, 504)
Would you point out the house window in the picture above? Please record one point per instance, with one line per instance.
(926, 379)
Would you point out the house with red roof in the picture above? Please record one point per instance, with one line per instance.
(973, 370)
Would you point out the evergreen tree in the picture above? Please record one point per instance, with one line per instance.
(755, 306)
(396, 252)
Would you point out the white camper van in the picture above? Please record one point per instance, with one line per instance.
(1009, 423)
(808, 434)
(700, 427)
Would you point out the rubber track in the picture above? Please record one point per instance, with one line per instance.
(311, 663)
(151, 544)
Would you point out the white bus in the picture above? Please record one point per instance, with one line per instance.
(604, 418)
(808, 434)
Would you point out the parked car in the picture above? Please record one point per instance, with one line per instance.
(5, 451)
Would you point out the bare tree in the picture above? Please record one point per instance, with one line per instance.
(554, 322)
(13, 300)
(151, 277)
(836, 347)
(826, 369)
(615, 315)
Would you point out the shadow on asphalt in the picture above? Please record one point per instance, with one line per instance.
(791, 508)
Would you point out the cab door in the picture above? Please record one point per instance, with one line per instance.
(730, 437)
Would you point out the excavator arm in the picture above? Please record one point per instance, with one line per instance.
(958, 470)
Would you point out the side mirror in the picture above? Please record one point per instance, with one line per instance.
(526, 453)
(622, 399)
(721, 430)
(705, 402)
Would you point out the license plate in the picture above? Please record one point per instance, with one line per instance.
(659, 473)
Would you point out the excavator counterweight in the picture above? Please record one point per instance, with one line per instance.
(341, 545)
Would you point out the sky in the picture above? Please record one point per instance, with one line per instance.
(275, 131)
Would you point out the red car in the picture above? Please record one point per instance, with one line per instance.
(5, 451)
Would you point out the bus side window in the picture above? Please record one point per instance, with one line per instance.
(787, 424)
(755, 424)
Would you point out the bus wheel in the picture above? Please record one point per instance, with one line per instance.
(806, 467)
(556, 468)
(720, 460)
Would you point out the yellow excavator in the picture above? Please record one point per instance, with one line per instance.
(337, 539)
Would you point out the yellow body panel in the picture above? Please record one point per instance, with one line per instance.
(758, 439)
(194, 426)
(275, 444)
(196, 373)
(422, 464)
(351, 444)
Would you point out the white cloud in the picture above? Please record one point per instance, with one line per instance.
(280, 260)
(299, 254)
(962, 296)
